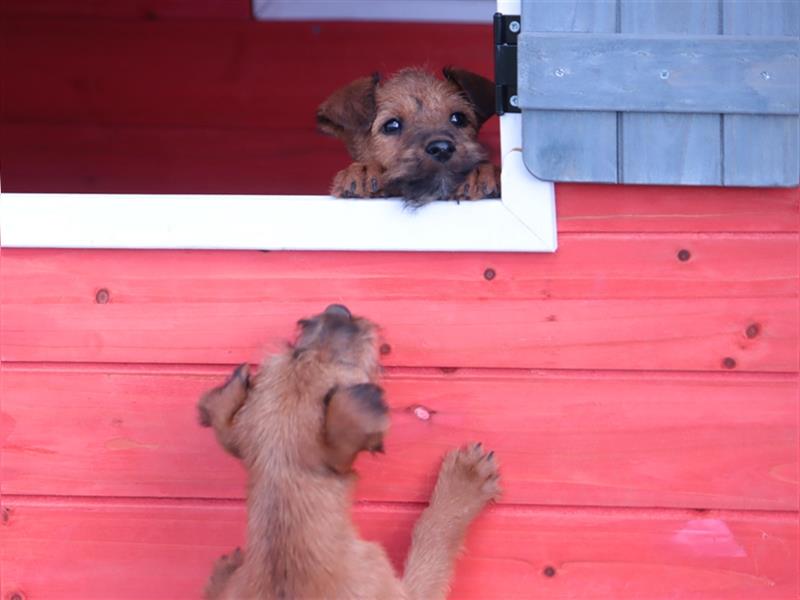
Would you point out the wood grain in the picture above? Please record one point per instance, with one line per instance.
(189, 307)
(141, 550)
(638, 208)
(572, 439)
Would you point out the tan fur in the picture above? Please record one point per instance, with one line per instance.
(298, 425)
(399, 163)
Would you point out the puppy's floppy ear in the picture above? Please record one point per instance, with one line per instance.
(479, 91)
(356, 418)
(348, 113)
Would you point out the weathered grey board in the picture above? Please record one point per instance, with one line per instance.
(670, 148)
(699, 74)
(661, 146)
(756, 148)
(571, 145)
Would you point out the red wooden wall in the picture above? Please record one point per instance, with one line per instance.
(643, 400)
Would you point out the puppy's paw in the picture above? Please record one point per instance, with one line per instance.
(223, 569)
(359, 180)
(468, 479)
(482, 182)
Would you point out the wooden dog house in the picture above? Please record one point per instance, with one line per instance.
(639, 385)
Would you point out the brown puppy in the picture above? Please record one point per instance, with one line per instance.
(413, 136)
(298, 426)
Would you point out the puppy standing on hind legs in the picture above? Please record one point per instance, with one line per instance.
(298, 426)
(414, 136)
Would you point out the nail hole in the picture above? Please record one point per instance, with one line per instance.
(684, 255)
(729, 363)
(102, 296)
(753, 330)
(385, 349)
(489, 274)
(549, 571)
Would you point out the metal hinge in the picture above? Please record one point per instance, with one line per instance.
(506, 30)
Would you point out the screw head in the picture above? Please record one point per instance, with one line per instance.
(559, 72)
(514, 101)
(664, 74)
(549, 571)
(489, 274)
(753, 330)
(102, 296)
(385, 349)
(729, 363)
(514, 26)
(684, 255)
(765, 75)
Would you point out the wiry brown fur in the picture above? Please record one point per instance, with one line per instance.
(399, 164)
(298, 425)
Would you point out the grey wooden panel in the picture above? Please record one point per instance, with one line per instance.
(696, 17)
(628, 72)
(671, 149)
(570, 146)
(761, 150)
(667, 148)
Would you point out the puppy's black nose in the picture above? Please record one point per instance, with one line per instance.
(340, 310)
(440, 150)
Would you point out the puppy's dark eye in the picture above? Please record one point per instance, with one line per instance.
(392, 127)
(459, 119)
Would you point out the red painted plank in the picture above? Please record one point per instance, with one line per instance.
(142, 550)
(131, 9)
(639, 208)
(223, 74)
(183, 308)
(585, 267)
(581, 439)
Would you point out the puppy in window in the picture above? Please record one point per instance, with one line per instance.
(414, 136)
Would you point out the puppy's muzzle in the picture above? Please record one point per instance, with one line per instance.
(440, 150)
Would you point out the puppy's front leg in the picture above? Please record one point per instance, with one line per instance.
(359, 180)
(218, 407)
(468, 479)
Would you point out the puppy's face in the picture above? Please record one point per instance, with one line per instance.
(421, 130)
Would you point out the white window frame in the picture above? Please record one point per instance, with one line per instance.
(523, 220)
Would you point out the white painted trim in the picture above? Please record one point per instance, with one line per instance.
(524, 220)
(282, 222)
(442, 11)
